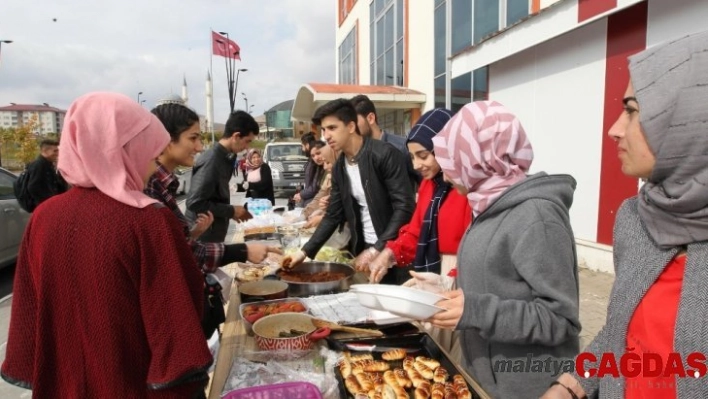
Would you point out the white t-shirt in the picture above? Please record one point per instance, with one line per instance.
(370, 236)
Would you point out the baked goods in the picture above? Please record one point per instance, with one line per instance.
(394, 354)
(440, 375)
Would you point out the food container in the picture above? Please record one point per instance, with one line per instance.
(416, 344)
(303, 289)
(263, 290)
(248, 321)
(290, 390)
(269, 328)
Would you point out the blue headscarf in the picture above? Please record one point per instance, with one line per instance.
(427, 255)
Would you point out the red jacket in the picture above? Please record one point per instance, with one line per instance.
(454, 218)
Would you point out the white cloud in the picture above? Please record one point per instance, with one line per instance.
(149, 45)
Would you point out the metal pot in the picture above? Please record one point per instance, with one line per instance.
(267, 331)
(263, 290)
(301, 289)
(262, 237)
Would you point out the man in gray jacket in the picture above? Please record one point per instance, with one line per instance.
(211, 175)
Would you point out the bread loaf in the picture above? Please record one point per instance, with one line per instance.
(353, 385)
(424, 370)
(402, 378)
(395, 354)
(440, 374)
(431, 363)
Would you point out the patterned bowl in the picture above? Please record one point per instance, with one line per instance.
(269, 328)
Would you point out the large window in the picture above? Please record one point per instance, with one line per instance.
(474, 20)
(461, 91)
(347, 59)
(386, 31)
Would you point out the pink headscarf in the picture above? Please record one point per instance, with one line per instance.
(107, 142)
(485, 149)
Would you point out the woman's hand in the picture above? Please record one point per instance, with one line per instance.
(297, 197)
(258, 252)
(324, 202)
(380, 265)
(426, 281)
(313, 221)
(204, 221)
(560, 391)
(454, 307)
(361, 263)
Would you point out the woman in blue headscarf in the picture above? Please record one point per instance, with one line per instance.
(423, 243)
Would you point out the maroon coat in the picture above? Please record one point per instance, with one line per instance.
(107, 303)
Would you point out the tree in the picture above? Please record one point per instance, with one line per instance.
(26, 139)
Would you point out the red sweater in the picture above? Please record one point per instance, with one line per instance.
(651, 329)
(453, 220)
(107, 303)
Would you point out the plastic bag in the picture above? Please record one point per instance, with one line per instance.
(254, 368)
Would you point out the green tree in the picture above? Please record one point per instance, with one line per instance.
(24, 136)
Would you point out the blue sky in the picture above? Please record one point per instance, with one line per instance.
(129, 46)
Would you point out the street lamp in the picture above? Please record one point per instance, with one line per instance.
(250, 109)
(141, 103)
(236, 87)
(246, 100)
(230, 64)
(139, 93)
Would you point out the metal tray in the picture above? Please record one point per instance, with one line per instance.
(428, 348)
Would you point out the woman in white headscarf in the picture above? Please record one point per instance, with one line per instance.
(659, 302)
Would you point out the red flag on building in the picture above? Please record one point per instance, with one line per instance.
(224, 47)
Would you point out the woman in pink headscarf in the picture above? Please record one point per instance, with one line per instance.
(517, 302)
(107, 295)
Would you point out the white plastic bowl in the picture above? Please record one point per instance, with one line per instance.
(416, 295)
(407, 307)
(368, 299)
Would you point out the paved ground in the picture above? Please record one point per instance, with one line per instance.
(594, 294)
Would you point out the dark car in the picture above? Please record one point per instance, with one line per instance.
(13, 219)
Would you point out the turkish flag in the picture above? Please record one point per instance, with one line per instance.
(224, 47)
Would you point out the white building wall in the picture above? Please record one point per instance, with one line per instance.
(421, 49)
(360, 13)
(557, 91)
(671, 19)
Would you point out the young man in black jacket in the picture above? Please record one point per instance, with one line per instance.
(211, 175)
(371, 190)
(44, 179)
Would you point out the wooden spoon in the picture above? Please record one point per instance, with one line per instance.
(336, 327)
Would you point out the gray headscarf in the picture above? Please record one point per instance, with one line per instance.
(671, 86)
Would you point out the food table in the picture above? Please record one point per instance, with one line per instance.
(235, 338)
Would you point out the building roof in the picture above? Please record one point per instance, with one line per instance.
(312, 95)
(284, 106)
(171, 99)
(31, 108)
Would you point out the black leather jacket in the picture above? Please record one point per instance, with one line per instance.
(210, 191)
(389, 197)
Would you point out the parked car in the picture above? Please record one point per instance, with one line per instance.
(13, 219)
(287, 165)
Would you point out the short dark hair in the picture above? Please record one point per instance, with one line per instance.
(176, 118)
(308, 138)
(341, 108)
(240, 122)
(48, 143)
(364, 106)
(318, 144)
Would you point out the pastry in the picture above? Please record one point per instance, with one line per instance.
(394, 354)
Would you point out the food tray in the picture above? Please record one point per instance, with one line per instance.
(422, 341)
(249, 326)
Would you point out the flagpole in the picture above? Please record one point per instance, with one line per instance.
(211, 90)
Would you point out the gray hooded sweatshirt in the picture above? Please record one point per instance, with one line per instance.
(518, 270)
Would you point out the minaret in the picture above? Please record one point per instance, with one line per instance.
(184, 90)
(209, 103)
